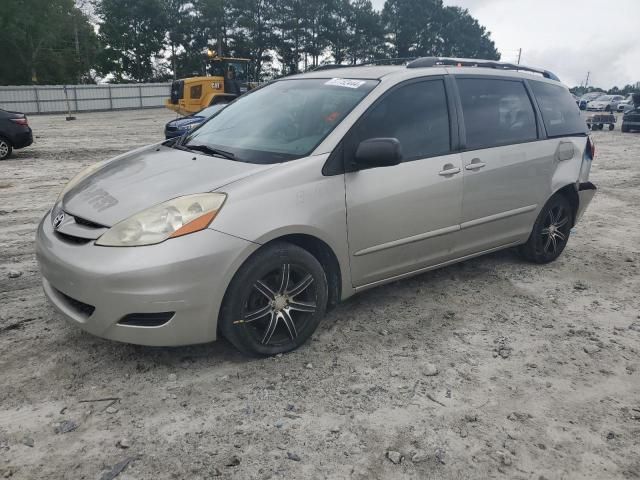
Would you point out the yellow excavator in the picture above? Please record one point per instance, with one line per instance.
(227, 79)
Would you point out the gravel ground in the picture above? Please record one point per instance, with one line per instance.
(493, 368)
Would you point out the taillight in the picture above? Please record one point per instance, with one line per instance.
(20, 121)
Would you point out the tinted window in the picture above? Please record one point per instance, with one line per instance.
(496, 112)
(560, 114)
(415, 114)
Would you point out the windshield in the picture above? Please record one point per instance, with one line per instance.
(282, 121)
(605, 98)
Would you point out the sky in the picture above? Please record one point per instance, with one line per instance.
(567, 37)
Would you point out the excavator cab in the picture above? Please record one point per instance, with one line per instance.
(227, 78)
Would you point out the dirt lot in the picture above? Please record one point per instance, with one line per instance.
(493, 368)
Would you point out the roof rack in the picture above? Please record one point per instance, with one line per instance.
(381, 61)
(470, 62)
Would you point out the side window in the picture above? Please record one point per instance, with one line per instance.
(496, 112)
(560, 114)
(415, 114)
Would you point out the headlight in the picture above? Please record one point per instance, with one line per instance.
(174, 218)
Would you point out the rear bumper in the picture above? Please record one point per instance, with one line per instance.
(586, 191)
(22, 139)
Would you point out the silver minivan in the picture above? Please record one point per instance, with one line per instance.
(310, 189)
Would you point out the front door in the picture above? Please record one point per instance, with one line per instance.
(403, 218)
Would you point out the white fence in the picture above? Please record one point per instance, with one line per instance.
(83, 98)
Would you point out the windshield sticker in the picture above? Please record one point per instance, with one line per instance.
(345, 82)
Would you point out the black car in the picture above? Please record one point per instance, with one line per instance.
(631, 118)
(180, 126)
(14, 132)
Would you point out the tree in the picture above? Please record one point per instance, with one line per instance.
(40, 53)
(253, 33)
(337, 29)
(133, 33)
(462, 36)
(366, 34)
(428, 28)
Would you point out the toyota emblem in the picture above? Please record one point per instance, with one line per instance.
(58, 220)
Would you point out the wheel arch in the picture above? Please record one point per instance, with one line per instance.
(570, 192)
(325, 256)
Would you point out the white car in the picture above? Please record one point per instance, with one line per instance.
(605, 103)
(626, 104)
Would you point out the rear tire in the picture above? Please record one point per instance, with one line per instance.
(5, 148)
(624, 128)
(275, 301)
(551, 231)
(611, 126)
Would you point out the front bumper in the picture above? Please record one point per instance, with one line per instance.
(172, 133)
(586, 192)
(97, 287)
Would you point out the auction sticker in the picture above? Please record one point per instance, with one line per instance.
(345, 82)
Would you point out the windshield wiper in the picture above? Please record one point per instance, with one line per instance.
(210, 151)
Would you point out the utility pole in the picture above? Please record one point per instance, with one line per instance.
(519, 55)
(586, 82)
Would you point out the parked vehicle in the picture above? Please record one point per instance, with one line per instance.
(597, 121)
(631, 120)
(587, 97)
(14, 132)
(605, 103)
(626, 104)
(227, 79)
(182, 125)
(311, 189)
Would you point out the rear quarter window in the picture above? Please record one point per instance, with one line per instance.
(560, 113)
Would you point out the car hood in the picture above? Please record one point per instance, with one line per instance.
(129, 184)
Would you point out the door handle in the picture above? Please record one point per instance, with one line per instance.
(475, 165)
(448, 171)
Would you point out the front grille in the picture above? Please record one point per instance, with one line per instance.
(72, 239)
(80, 307)
(87, 223)
(146, 319)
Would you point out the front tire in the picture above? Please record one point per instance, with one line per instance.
(275, 301)
(5, 149)
(551, 231)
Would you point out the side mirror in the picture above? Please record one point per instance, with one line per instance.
(378, 152)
